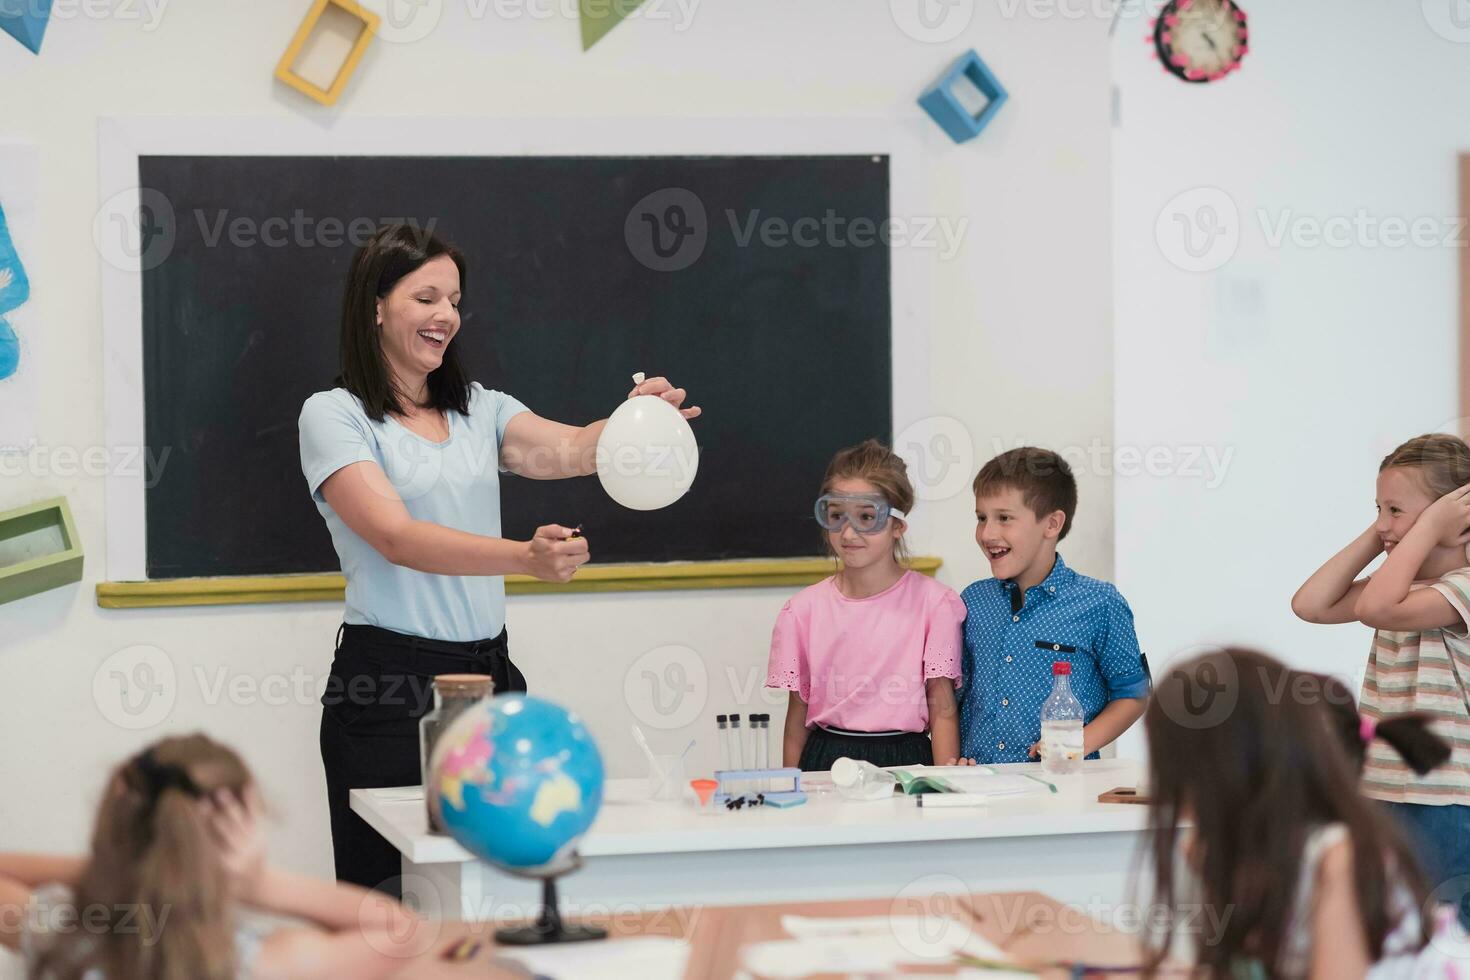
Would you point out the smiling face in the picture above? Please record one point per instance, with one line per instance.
(862, 550)
(1401, 499)
(1010, 534)
(418, 318)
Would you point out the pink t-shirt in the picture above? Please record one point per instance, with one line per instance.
(861, 664)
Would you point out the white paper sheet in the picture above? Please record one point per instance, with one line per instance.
(909, 938)
(645, 957)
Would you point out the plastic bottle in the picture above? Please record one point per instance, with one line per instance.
(858, 780)
(1061, 725)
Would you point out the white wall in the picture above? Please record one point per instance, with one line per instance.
(1306, 361)
(1032, 277)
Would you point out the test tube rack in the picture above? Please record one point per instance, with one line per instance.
(776, 778)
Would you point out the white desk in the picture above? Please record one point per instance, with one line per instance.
(643, 855)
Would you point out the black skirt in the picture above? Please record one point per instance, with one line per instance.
(824, 747)
(381, 684)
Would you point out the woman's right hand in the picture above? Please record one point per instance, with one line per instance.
(553, 555)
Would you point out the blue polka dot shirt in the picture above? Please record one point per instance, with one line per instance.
(1011, 643)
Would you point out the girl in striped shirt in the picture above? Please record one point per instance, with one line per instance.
(1418, 603)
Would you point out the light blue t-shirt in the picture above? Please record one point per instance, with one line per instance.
(455, 483)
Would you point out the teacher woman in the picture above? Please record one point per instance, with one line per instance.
(403, 458)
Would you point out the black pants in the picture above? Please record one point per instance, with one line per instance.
(380, 686)
(824, 747)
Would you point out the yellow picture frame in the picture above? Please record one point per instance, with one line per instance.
(286, 68)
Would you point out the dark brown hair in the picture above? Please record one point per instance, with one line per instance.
(152, 850)
(1441, 462)
(1043, 478)
(392, 253)
(1255, 765)
(873, 462)
(1408, 735)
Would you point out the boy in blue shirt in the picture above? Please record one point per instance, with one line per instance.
(1036, 611)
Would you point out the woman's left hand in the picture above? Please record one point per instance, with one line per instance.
(665, 390)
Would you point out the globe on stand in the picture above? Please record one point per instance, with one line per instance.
(517, 781)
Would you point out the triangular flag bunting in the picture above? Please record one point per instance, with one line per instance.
(25, 20)
(598, 17)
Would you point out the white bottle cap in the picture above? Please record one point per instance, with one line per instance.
(846, 772)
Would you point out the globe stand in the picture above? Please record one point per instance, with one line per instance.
(548, 927)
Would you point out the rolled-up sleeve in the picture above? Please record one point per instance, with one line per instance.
(1120, 661)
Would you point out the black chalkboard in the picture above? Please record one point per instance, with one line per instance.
(782, 332)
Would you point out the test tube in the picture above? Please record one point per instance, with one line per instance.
(772, 758)
(723, 722)
(762, 747)
(737, 758)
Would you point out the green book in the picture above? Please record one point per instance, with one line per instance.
(915, 783)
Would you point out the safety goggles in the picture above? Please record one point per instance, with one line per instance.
(865, 513)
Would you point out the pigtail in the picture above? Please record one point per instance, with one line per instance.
(183, 929)
(1411, 737)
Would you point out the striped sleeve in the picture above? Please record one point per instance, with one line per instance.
(1455, 587)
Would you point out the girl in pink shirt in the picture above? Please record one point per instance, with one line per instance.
(871, 656)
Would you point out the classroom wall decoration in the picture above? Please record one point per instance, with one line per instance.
(15, 289)
(26, 20)
(326, 48)
(601, 16)
(40, 550)
(965, 98)
(1200, 41)
(17, 369)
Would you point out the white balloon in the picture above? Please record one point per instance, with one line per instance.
(646, 455)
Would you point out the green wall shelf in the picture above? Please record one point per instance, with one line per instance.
(39, 550)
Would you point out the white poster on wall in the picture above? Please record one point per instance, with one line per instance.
(19, 240)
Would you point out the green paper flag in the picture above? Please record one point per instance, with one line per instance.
(601, 16)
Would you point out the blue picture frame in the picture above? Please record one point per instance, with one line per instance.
(26, 20)
(945, 109)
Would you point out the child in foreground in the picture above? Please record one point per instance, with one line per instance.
(1259, 824)
(178, 868)
(871, 655)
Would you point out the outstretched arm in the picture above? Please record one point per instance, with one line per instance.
(20, 875)
(541, 449)
(362, 495)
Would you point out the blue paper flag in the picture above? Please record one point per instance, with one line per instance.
(15, 287)
(25, 20)
(9, 351)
